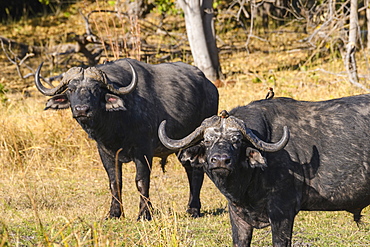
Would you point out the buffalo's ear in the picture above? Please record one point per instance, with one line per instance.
(255, 158)
(58, 102)
(114, 103)
(195, 155)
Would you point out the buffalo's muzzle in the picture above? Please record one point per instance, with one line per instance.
(220, 161)
(81, 111)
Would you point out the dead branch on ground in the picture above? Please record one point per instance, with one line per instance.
(18, 62)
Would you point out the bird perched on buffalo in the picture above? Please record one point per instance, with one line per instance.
(224, 114)
(270, 93)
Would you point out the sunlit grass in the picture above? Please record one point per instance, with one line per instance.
(54, 189)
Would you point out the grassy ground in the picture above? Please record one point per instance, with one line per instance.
(54, 190)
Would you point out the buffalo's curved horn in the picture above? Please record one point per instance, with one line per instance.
(265, 146)
(193, 137)
(123, 90)
(178, 144)
(256, 141)
(231, 121)
(48, 91)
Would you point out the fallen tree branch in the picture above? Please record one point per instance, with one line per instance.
(24, 48)
(16, 60)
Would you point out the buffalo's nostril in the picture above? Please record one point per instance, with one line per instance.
(214, 160)
(227, 161)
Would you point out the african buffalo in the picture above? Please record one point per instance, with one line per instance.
(320, 161)
(120, 105)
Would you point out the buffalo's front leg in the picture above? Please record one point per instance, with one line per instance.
(142, 179)
(114, 172)
(282, 229)
(241, 230)
(195, 177)
(281, 210)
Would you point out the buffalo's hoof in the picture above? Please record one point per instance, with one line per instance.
(194, 212)
(112, 217)
(146, 215)
(115, 214)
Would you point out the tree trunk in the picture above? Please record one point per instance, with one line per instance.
(209, 30)
(367, 4)
(200, 30)
(350, 59)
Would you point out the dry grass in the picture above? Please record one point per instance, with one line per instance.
(54, 190)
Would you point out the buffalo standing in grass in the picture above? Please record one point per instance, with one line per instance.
(323, 164)
(120, 105)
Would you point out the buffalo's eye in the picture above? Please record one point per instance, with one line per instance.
(236, 139)
(207, 142)
(71, 89)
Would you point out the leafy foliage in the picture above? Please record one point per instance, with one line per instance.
(45, 2)
(167, 7)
